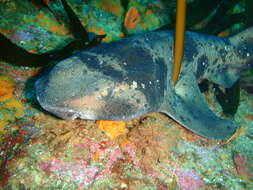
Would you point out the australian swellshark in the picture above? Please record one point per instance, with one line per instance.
(131, 77)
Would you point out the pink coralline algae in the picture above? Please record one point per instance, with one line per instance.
(102, 147)
(131, 150)
(188, 179)
(114, 157)
(79, 172)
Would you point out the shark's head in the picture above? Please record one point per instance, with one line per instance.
(73, 90)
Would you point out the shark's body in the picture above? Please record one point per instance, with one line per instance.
(128, 78)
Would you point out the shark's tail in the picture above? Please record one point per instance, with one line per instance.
(243, 38)
(244, 42)
(239, 58)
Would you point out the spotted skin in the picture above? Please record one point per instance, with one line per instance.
(128, 78)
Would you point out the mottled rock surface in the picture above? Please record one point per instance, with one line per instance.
(39, 151)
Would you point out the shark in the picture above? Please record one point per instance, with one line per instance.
(131, 77)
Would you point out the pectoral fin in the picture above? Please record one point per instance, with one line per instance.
(190, 109)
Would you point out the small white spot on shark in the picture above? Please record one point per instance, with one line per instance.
(134, 85)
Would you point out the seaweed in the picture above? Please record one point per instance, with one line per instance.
(220, 20)
(249, 12)
(179, 39)
(20, 57)
(207, 7)
(75, 25)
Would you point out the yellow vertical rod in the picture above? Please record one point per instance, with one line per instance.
(179, 42)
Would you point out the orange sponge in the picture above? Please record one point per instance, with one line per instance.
(113, 128)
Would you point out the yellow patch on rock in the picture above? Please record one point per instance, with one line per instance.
(10, 107)
(113, 129)
(15, 106)
(7, 87)
(2, 127)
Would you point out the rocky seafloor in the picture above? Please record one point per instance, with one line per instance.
(40, 151)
